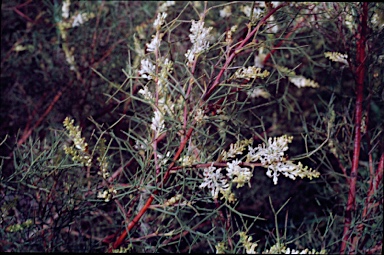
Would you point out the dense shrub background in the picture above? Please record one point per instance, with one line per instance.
(39, 182)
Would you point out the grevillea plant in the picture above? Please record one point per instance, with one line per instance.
(226, 109)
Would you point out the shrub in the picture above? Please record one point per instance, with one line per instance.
(182, 126)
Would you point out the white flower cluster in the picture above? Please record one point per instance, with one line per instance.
(256, 12)
(75, 134)
(163, 160)
(273, 152)
(200, 116)
(237, 174)
(166, 68)
(103, 167)
(220, 248)
(300, 82)
(71, 61)
(147, 69)
(259, 58)
(250, 72)
(164, 103)
(272, 26)
(377, 21)
(141, 145)
(159, 21)
(349, 22)
(236, 149)
(154, 44)
(247, 243)
(258, 92)
(337, 57)
(80, 19)
(79, 150)
(214, 180)
(271, 156)
(199, 38)
(146, 93)
(226, 12)
(279, 249)
(107, 194)
(157, 123)
(164, 6)
(65, 9)
(228, 37)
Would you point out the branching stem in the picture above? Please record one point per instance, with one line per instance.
(360, 73)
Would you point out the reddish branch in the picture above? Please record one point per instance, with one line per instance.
(360, 73)
(121, 238)
(369, 207)
(28, 131)
(298, 25)
(237, 50)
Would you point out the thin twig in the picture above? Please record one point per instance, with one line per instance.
(238, 49)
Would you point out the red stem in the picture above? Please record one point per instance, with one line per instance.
(369, 205)
(28, 132)
(121, 238)
(360, 73)
(298, 25)
(238, 49)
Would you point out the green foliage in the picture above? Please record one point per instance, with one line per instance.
(176, 127)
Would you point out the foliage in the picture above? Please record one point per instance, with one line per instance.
(171, 126)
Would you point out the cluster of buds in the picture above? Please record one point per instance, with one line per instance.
(337, 57)
(107, 194)
(247, 243)
(251, 72)
(79, 153)
(282, 249)
(199, 37)
(298, 80)
(270, 155)
(79, 149)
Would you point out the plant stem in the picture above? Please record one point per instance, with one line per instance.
(360, 73)
(121, 238)
(238, 50)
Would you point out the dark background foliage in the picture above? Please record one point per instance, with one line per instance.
(38, 90)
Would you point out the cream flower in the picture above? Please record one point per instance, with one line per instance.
(146, 93)
(199, 38)
(250, 72)
(272, 152)
(237, 174)
(214, 180)
(154, 44)
(159, 20)
(164, 6)
(157, 123)
(65, 9)
(258, 92)
(337, 57)
(226, 12)
(147, 69)
(271, 157)
(300, 82)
